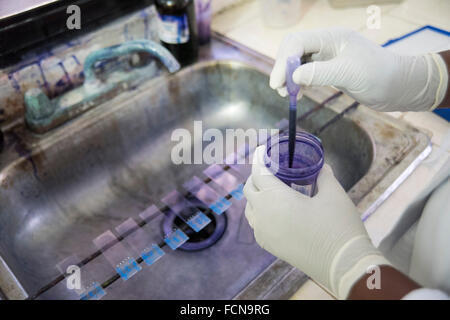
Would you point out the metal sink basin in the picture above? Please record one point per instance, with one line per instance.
(61, 190)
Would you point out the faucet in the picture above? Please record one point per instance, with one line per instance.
(42, 113)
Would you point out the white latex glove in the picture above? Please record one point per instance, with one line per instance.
(369, 73)
(323, 236)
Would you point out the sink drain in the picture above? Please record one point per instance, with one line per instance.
(203, 239)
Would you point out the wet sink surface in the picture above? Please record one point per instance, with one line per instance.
(61, 190)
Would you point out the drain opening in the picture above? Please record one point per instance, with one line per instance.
(203, 239)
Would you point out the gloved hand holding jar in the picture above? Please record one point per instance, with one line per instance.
(323, 235)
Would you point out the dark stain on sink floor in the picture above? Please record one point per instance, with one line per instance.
(22, 150)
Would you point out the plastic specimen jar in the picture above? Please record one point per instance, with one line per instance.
(306, 165)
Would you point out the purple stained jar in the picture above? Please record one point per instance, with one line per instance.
(306, 165)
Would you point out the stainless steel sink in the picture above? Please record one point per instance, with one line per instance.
(61, 190)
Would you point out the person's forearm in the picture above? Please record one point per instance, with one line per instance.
(393, 285)
(445, 103)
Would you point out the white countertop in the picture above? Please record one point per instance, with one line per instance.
(243, 23)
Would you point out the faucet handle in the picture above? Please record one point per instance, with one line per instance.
(38, 105)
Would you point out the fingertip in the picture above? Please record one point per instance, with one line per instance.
(259, 168)
(258, 155)
(272, 83)
(327, 181)
(326, 170)
(304, 74)
(277, 76)
(297, 76)
(275, 83)
(282, 92)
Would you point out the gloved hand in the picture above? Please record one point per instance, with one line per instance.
(323, 236)
(369, 73)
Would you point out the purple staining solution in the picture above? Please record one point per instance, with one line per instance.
(293, 89)
(307, 161)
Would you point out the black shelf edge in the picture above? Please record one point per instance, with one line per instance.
(46, 25)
